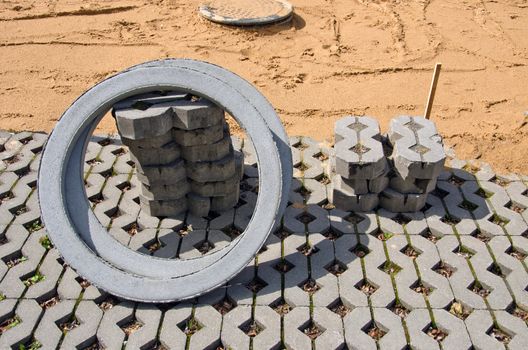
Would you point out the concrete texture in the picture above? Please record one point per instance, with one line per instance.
(406, 276)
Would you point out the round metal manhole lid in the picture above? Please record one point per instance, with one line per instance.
(246, 12)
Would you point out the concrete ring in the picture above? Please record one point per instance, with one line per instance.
(68, 220)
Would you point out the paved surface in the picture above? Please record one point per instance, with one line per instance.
(452, 277)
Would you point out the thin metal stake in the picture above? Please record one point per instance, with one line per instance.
(432, 92)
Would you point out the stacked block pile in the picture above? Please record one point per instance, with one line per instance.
(396, 171)
(417, 157)
(360, 164)
(183, 153)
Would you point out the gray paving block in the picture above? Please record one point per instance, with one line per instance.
(478, 324)
(441, 295)
(457, 335)
(51, 270)
(406, 278)
(358, 151)
(320, 262)
(340, 222)
(239, 164)
(162, 175)
(417, 322)
(417, 148)
(198, 205)
(401, 203)
(484, 211)
(166, 192)
(219, 170)
(330, 324)
(294, 322)
(215, 189)
(109, 334)
(189, 243)
(352, 202)
(384, 294)
(507, 254)
(15, 237)
(317, 192)
(293, 294)
(20, 163)
(48, 332)
(412, 185)
(512, 222)
(164, 155)
(354, 324)
(210, 321)
(349, 280)
(388, 222)
(232, 336)
(461, 279)
(195, 137)
(89, 315)
(148, 143)
(7, 309)
(208, 152)
(358, 186)
(224, 203)
(267, 271)
(139, 124)
(68, 288)
(143, 101)
(434, 215)
(28, 312)
(224, 221)
(269, 320)
(238, 289)
(315, 157)
(196, 114)
(514, 327)
(164, 208)
(12, 285)
(170, 334)
(482, 262)
(459, 216)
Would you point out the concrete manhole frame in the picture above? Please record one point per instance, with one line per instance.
(210, 12)
(85, 244)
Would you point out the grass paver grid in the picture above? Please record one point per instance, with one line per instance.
(453, 276)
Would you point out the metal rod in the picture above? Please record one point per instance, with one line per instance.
(432, 91)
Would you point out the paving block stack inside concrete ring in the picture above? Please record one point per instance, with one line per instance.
(417, 159)
(183, 153)
(360, 164)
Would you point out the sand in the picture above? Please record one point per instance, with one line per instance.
(335, 58)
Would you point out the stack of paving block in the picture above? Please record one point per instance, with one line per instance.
(183, 153)
(417, 158)
(360, 164)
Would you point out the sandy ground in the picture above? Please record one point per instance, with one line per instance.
(336, 57)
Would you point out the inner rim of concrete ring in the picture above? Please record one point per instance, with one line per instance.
(89, 134)
(76, 181)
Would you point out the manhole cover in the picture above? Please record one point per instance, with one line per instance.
(246, 12)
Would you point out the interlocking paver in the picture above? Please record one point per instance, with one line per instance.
(461, 279)
(466, 247)
(149, 316)
(172, 334)
(85, 323)
(487, 273)
(210, 322)
(510, 256)
(28, 314)
(109, 333)
(478, 324)
(48, 332)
